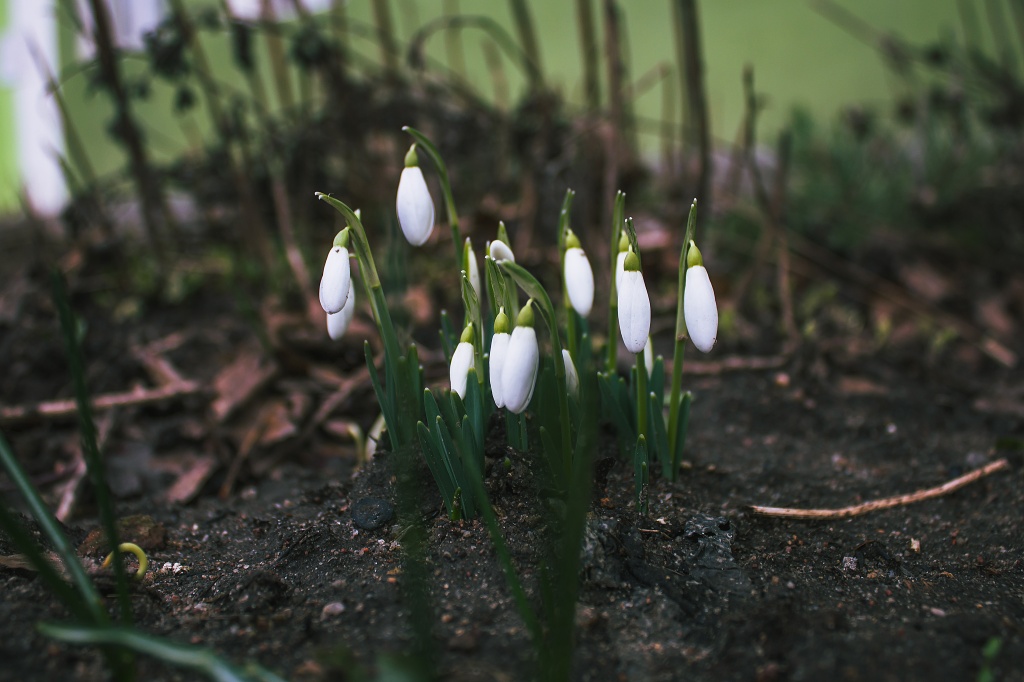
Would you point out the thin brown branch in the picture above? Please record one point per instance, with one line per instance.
(54, 409)
(885, 503)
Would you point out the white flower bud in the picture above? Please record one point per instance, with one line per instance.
(649, 356)
(579, 281)
(634, 307)
(474, 270)
(499, 251)
(519, 370)
(572, 378)
(415, 207)
(463, 360)
(336, 281)
(499, 351)
(337, 323)
(699, 308)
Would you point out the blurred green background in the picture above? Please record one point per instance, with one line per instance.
(800, 58)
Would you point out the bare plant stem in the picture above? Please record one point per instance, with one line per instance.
(588, 53)
(689, 55)
(386, 37)
(150, 196)
(528, 41)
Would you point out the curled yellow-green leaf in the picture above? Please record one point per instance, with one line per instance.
(139, 554)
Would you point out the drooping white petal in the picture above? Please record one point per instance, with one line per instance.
(572, 378)
(462, 361)
(336, 281)
(579, 281)
(337, 323)
(634, 311)
(415, 207)
(519, 373)
(620, 262)
(499, 351)
(500, 251)
(699, 309)
(649, 356)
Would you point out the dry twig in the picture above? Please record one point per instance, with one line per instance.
(887, 502)
(64, 408)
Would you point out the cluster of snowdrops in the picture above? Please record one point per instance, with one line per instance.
(496, 362)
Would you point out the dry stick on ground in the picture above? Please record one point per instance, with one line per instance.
(65, 408)
(885, 503)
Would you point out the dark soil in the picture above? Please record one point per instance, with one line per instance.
(279, 572)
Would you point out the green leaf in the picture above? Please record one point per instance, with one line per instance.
(615, 407)
(641, 472)
(200, 660)
(432, 452)
(681, 430)
(659, 434)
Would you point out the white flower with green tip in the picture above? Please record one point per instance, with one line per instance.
(497, 355)
(337, 323)
(337, 277)
(463, 360)
(519, 369)
(579, 276)
(700, 311)
(634, 306)
(414, 206)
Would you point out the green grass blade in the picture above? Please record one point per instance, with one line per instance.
(193, 658)
(90, 449)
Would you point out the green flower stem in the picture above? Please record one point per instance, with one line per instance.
(446, 189)
(618, 212)
(641, 395)
(571, 319)
(675, 399)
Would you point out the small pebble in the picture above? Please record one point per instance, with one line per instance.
(849, 563)
(335, 608)
(370, 513)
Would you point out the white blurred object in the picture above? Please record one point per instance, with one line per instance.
(38, 134)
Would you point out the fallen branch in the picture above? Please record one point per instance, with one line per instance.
(64, 408)
(884, 503)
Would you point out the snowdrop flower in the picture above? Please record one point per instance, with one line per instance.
(572, 378)
(700, 311)
(463, 360)
(471, 267)
(337, 323)
(499, 351)
(499, 251)
(414, 205)
(519, 369)
(620, 259)
(634, 306)
(649, 356)
(337, 278)
(579, 277)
